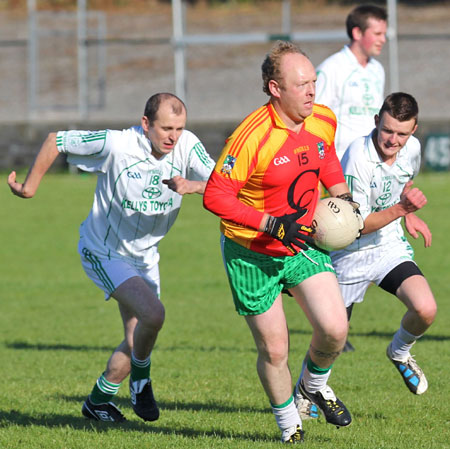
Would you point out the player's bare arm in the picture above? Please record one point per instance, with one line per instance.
(339, 189)
(44, 160)
(185, 186)
(415, 226)
(411, 200)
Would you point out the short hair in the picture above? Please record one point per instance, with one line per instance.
(154, 102)
(271, 66)
(401, 106)
(359, 17)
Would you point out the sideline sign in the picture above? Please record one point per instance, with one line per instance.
(437, 152)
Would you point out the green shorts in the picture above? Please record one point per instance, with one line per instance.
(257, 279)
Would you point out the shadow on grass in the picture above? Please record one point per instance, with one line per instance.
(22, 345)
(377, 334)
(389, 335)
(17, 418)
(54, 346)
(216, 407)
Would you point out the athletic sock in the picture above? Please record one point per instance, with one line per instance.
(286, 415)
(140, 369)
(103, 391)
(140, 372)
(402, 343)
(314, 377)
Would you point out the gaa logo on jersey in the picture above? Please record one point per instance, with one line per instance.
(321, 150)
(281, 160)
(228, 165)
(134, 175)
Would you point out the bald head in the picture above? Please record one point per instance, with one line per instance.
(175, 105)
(272, 65)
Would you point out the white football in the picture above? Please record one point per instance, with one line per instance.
(336, 224)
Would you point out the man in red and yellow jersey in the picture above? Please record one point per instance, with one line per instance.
(267, 168)
(265, 190)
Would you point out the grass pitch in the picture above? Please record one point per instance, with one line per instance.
(56, 333)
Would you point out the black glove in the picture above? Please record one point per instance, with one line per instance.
(287, 231)
(348, 197)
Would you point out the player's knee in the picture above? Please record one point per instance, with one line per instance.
(153, 317)
(427, 312)
(276, 358)
(337, 334)
(276, 353)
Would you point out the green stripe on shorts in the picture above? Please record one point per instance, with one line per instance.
(257, 279)
(99, 270)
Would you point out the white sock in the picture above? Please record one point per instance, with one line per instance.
(287, 416)
(402, 343)
(314, 382)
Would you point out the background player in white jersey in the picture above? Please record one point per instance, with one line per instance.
(142, 173)
(351, 81)
(379, 169)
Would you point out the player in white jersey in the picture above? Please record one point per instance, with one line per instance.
(351, 81)
(142, 174)
(379, 169)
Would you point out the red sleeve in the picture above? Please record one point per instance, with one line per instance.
(220, 198)
(332, 174)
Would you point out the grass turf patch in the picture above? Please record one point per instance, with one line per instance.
(57, 333)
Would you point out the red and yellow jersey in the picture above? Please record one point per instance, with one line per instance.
(267, 168)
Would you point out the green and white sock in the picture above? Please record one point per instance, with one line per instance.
(286, 415)
(140, 369)
(103, 391)
(315, 378)
(140, 372)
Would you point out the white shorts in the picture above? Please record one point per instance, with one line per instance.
(356, 270)
(108, 274)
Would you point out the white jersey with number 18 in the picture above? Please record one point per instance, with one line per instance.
(132, 210)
